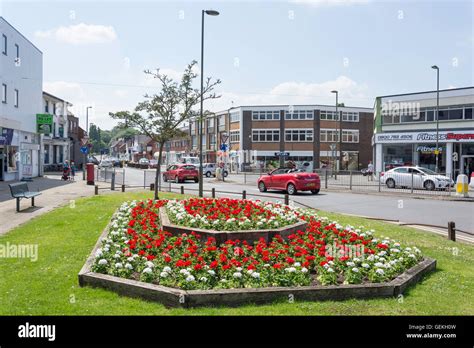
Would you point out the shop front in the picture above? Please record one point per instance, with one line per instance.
(455, 151)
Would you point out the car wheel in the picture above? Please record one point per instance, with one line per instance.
(197, 180)
(390, 183)
(291, 189)
(165, 179)
(226, 174)
(208, 174)
(429, 185)
(315, 192)
(262, 187)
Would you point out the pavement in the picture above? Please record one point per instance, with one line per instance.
(54, 193)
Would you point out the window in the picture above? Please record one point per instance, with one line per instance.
(4, 93)
(328, 115)
(235, 136)
(234, 117)
(303, 135)
(299, 115)
(265, 115)
(4, 44)
(194, 140)
(221, 123)
(350, 116)
(455, 114)
(329, 135)
(16, 98)
(402, 170)
(468, 114)
(193, 127)
(17, 51)
(210, 122)
(54, 108)
(212, 140)
(265, 135)
(203, 137)
(350, 136)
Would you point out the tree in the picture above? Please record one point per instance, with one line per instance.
(160, 115)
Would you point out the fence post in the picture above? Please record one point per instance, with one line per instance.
(287, 199)
(325, 178)
(244, 194)
(350, 180)
(452, 231)
(112, 181)
(123, 188)
(412, 177)
(380, 179)
(182, 189)
(96, 189)
(213, 192)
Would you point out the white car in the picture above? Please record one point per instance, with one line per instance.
(106, 164)
(422, 178)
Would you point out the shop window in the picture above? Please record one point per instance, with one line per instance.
(468, 114)
(455, 114)
(12, 158)
(443, 115)
(430, 115)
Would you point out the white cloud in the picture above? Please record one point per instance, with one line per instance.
(80, 34)
(329, 2)
(68, 91)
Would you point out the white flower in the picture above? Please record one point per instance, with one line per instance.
(98, 253)
(304, 270)
(355, 270)
(149, 264)
(118, 265)
(378, 264)
(203, 279)
(190, 278)
(163, 274)
(330, 270)
(412, 256)
(394, 250)
(237, 275)
(379, 271)
(290, 269)
(350, 264)
(102, 262)
(250, 271)
(128, 266)
(297, 264)
(238, 269)
(166, 269)
(266, 265)
(256, 275)
(148, 270)
(365, 265)
(184, 271)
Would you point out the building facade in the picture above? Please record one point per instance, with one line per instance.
(21, 78)
(256, 137)
(75, 134)
(406, 129)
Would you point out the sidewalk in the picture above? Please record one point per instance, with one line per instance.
(54, 193)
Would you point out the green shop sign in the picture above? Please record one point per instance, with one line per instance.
(44, 123)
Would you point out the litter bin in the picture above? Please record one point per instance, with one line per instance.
(90, 173)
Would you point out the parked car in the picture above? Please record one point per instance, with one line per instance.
(153, 163)
(115, 161)
(190, 160)
(106, 164)
(419, 177)
(290, 180)
(94, 160)
(209, 169)
(143, 161)
(181, 172)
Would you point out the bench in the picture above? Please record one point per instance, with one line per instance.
(20, 190)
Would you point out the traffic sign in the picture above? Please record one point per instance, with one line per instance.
(84, 149)
(223, 147)
(282, 154)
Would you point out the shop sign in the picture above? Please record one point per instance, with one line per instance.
(44, 123)
(424, 137)
(6, 136)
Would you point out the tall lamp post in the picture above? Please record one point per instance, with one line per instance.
(437, 117)
(210, 13)
(340, 129)
(85, 154)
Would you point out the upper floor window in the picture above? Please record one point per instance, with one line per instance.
(427, 115)
(235, 136)
(221, 123)
(349, 116)
(4, 93)
(328, 115)
(329, 135)
(210, 122)
(46, 107)
(350, 136)
(298, 135)
(54, 108)
(265, 135)
(16, 98)
(299, 115)
(265, 115)
(17, 51)
(4, 44)
(234, 117)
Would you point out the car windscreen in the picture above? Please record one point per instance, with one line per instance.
(188, 167)
(427, 171)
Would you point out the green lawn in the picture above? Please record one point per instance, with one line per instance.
(67, 235)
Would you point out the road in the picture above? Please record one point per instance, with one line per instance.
(394, 207)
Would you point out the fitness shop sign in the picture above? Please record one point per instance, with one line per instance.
(424, 137)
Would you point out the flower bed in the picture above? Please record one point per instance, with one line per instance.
(324, 254)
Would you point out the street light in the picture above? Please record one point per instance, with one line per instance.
(340, 128)
(85, 154)
(437, 117)
(210, 13)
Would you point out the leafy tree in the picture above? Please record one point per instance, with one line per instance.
(160, 115)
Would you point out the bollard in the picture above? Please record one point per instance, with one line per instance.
(112, 182)
(182, 189)
(96, 189)
(452, 231)
(325, 178)
(152, 187)
(287, 199)
(123, 188)
(462, 188)
(213, 192)
(244, 194)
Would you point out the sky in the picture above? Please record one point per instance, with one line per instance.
(264, 52)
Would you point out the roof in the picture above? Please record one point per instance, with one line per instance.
(23, 36)
(426, 92)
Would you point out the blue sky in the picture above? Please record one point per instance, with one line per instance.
(265, 52)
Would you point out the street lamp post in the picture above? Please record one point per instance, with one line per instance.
(437, 117)
(85, 154)
(210, 13)
(340, 129)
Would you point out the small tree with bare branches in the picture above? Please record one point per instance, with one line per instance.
(160, 115)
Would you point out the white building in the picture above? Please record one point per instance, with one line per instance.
(21, 79)
(56, 145)
(406, 129)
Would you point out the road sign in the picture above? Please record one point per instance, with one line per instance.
(84, 149)
(332, 147)
(282, 154)
(224, 137)
(223, 147)
(455, 157)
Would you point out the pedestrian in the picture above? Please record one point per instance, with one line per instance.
(66, 170)
(370, 170)
(73, 171)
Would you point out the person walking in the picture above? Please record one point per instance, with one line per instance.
(66, 170)
(370, 170)
(73, 171)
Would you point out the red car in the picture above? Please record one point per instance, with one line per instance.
(290, 180)
(181, 172)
